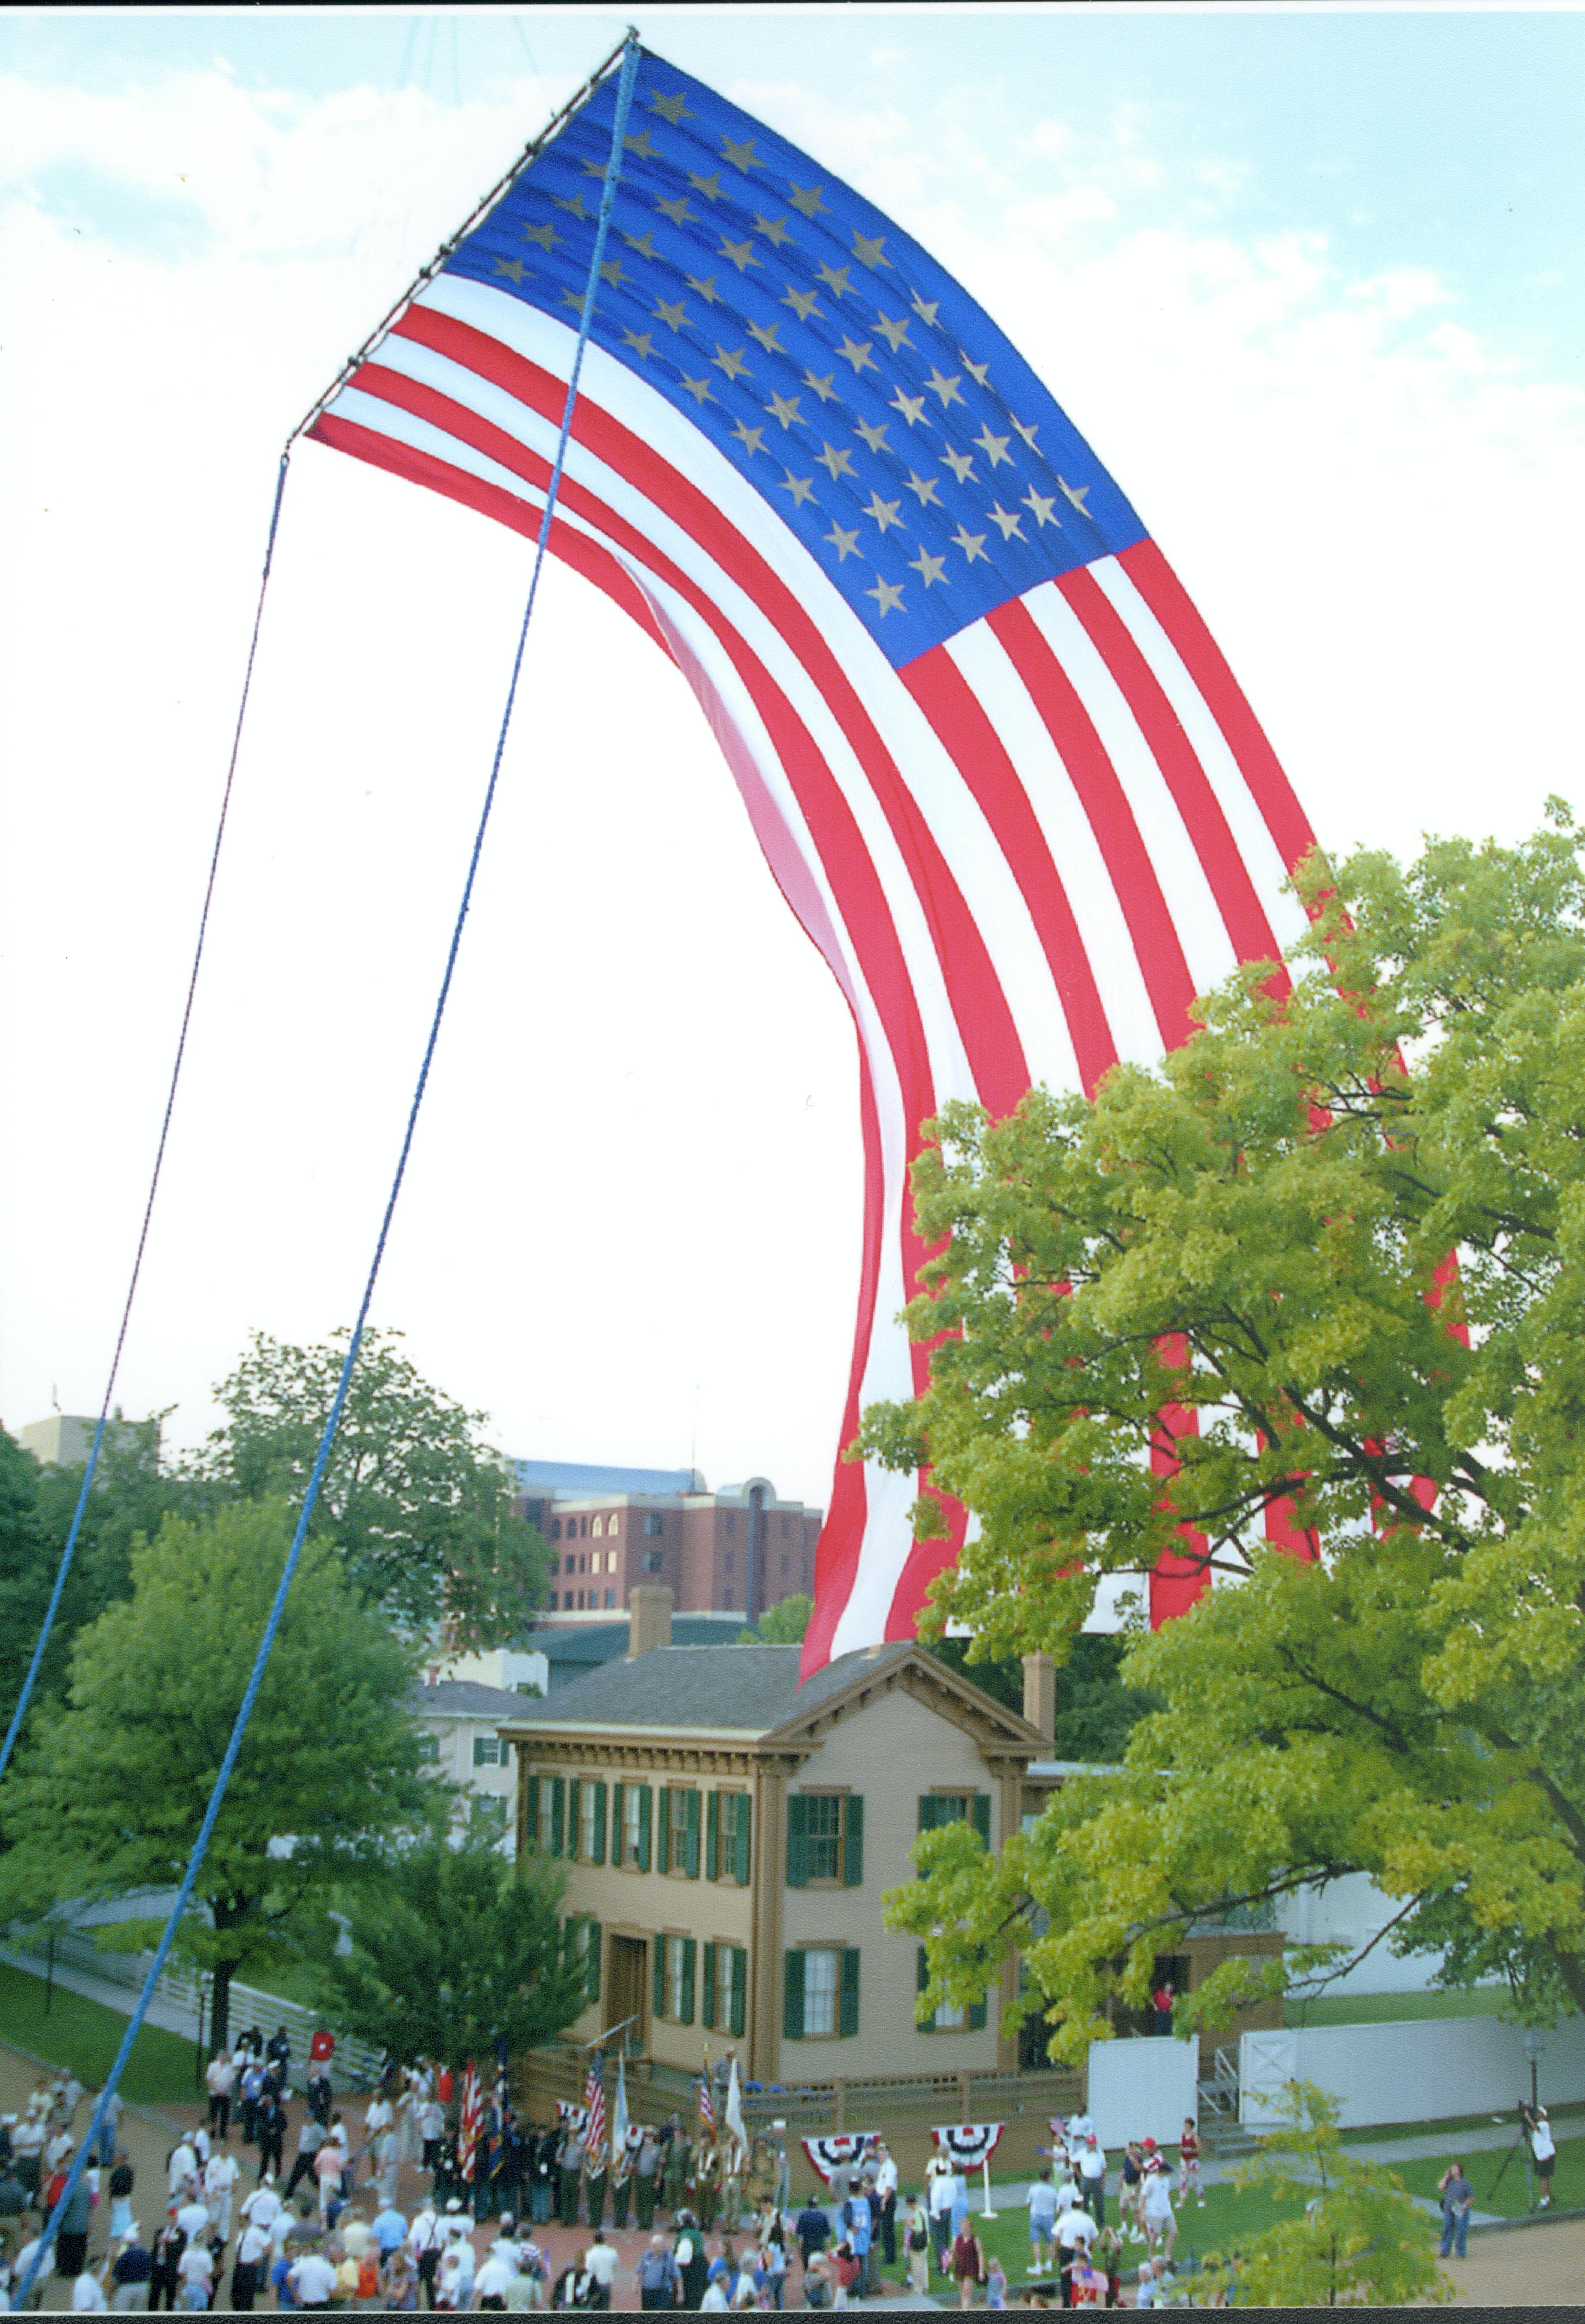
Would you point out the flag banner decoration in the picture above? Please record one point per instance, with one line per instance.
(997, 765)
(968, 2144)
(733, 2112)
(572, 2117)
(621, 2125)
(595, 2108)
(470, 2122)
(839, 2150)
(707, 2105)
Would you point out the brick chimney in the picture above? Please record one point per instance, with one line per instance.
(1040, 1694)
(649, 1605)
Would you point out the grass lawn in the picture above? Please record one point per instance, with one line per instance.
(1387, 2008)
(1231, 2216)
(85, 2036)
(1510, 2200)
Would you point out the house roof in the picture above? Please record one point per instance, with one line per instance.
(750, 1691)
(464, 1698)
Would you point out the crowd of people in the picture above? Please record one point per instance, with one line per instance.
(321, 2226)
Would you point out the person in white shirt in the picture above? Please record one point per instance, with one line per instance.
(1156, 2215)
(196, 2266)
(312, 2280)
(490, 2283)
(220, 2173)
(262, 2208)
(886, 2188)
(184, 2166)
(219, 2081)
(193, 2218)
(1093, 2177)
(253, 2259)
(87, 2293)
(600, 2260)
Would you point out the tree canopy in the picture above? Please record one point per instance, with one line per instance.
(468, 1948)
(104, 1799)
(781, 1625)
(420, 1508)
(1302, 1306)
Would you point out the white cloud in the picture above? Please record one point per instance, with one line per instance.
(1374, 505)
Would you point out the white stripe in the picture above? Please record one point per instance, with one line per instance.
(1193, 908)
(947, 807)
(1075, 850)
(1252, 833)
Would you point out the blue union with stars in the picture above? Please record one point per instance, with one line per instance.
(858, 388)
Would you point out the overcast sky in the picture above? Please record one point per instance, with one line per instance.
(1311, 282)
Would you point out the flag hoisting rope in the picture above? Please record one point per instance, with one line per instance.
(629, 54)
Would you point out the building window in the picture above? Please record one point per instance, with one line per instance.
(723, 1989)
(545, 1800)
(555, 1535)
(727, 1820)
(654, 1560)
(629, 1817)
(826, 1839)
(583, 1528)
(487, 1750)
(821, 1993)
(951, 2018)
(610, 1598)
(611, 1524)
(654, 1524)
(937, 1808)
(675, 1962)
(429, 1750)
(591, 1821)
(580, 1939)
(678, 1847)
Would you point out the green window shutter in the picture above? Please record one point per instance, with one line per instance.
(978, 2012)
(617, 1824)
(689, 1954)
(558, 1814)
(531, 1812)
(853, 1841)
(592, 1950)
(740, 1840)
(792, 1997)
(657, 1963)
(646, 1800)
(599, 1823)
(740, 1988)
(712, 1841)
(928, 1808)
(798, 1865)
(981, 1814)
(663, 1832)
(707, 1998)
(690, 1835)
(925, 2023)
(849, 2023)
(573, 1790)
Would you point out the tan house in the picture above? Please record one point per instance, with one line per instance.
(730, 1837)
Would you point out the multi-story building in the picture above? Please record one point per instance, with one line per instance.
(736, 1551)
(458, 1723)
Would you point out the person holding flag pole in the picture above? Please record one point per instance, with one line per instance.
(595, 2139)
(735, 2158)
(621, 2160)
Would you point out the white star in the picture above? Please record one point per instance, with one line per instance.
(1076, 493)
(887, 596)
(1011, 525)
(1040, 508)
(928, 569)
(995, 448)
(973, 544)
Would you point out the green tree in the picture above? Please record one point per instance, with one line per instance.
(1360, 2240)
(466, 1947)
(108, 1796)
(781, 1625)
(1218, 1302)
(132, 1494)
(1096, 1710)
(420, 1508)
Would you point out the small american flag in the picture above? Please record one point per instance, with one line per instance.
(595, 2102)
(706, 2100)
(470, 2121)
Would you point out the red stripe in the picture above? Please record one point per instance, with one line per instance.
(1201, 657)
(1226, 872)
(963, 726)
(1175, 1580)
(1160, 955)
(984, 1020)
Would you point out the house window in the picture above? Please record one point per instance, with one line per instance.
(429, 1750)
(950, 2017)
(727, 1820)
(486, 1750)
(631, 1812)
(675, 1963)
(580, 1938)
(654, 1524)
(821, 1993)
(826, 1839)
(677, 1849)
(937, 1808)
(724, 1987)
(590, 1803)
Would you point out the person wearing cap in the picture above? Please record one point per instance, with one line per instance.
(1093, 2177)
(132, 2270)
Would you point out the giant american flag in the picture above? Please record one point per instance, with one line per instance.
(998, 766)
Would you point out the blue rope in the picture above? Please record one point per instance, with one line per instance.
(64, 1568)
(630, 66)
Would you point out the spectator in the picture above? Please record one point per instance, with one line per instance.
(1189, 2163)
(1156, 2215)
(1542, 2152)
(87, 2293)
(220, 2080)
(1457, 2195)
(886, 2188)
(1161, 2005)
(813, 2230)
(131, 2271)
(917, 2248)
(657, 2274)
(1042, 2222)
(938, 2190)
(600, 2262)
(968, 2263)
(1093, 2176)
(311, 2279)
(248, 2271)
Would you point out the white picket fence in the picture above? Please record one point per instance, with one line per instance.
(187, 1994)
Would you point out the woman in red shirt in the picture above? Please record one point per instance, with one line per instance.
(967, 2264)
